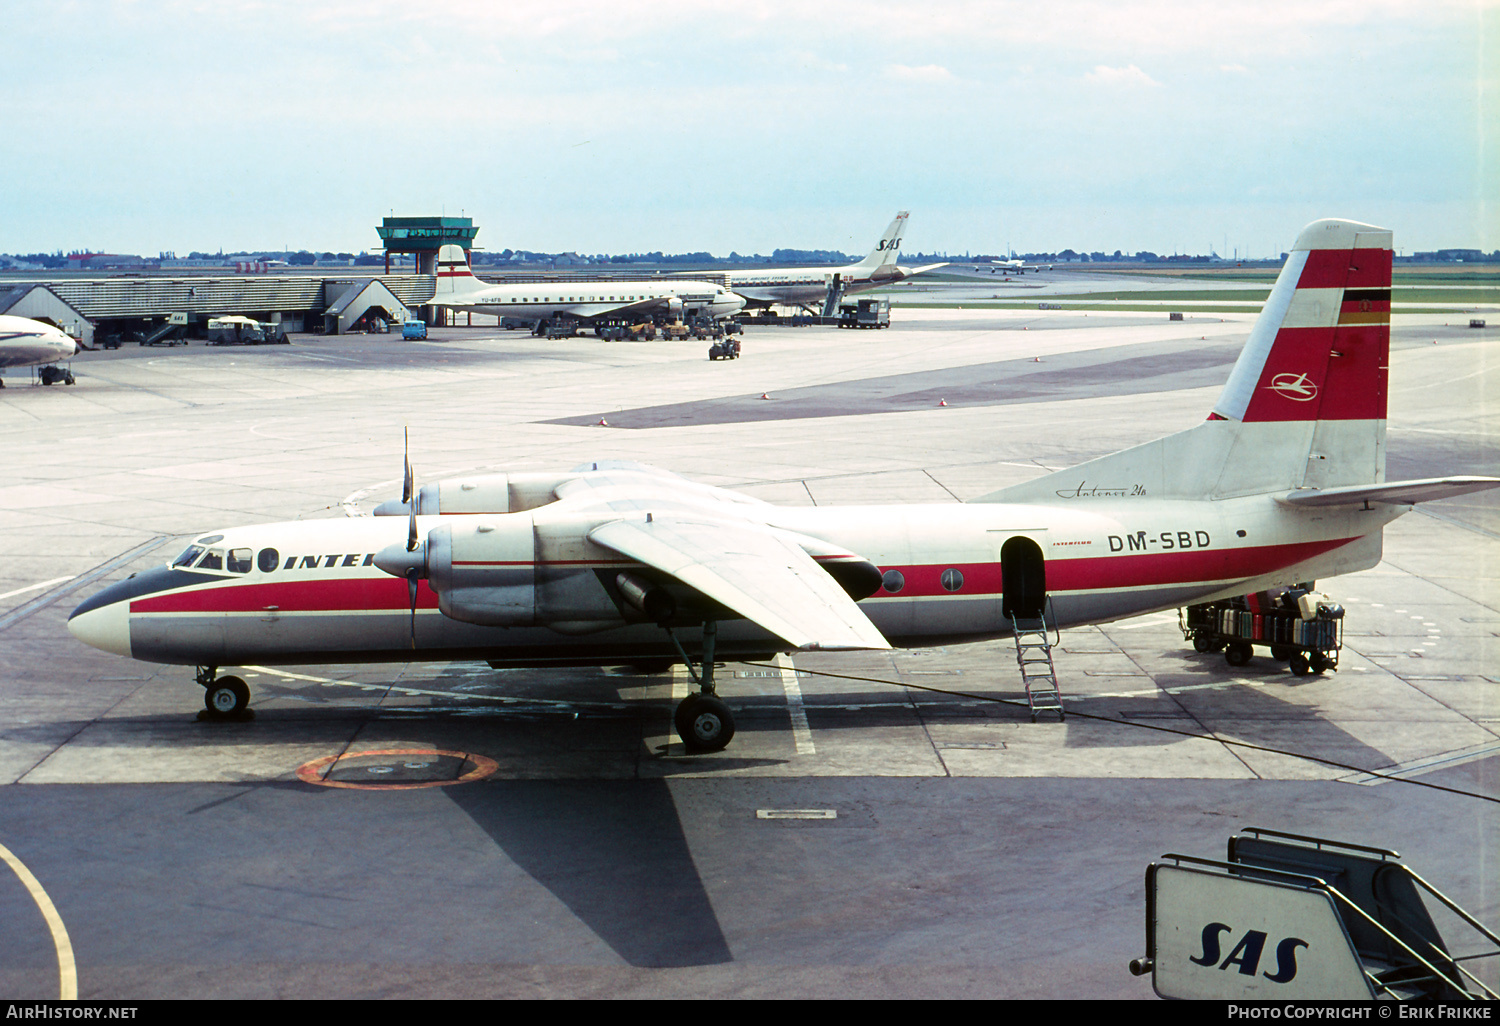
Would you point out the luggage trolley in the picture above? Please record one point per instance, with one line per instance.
(1301, 627)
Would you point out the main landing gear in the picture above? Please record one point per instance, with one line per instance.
(224, 698)
(703, 721)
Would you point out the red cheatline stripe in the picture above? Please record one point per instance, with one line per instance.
(1092, 573)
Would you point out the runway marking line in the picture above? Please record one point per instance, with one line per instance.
(315, 772)
(34, 587)
(67, 968)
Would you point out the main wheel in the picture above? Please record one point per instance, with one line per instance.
(704, 723)
(1238, 653)
(226, 697)
(1204, 643)
(1319, 662)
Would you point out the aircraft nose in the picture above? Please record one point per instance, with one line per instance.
(105, 626)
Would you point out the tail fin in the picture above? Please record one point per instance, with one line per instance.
(453, 274)
(1305, 404)
(889, 247)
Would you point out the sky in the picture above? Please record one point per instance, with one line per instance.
(632, 126)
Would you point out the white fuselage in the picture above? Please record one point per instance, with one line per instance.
(592, 300)
(309, 591)
(24, 342)
(796, 286)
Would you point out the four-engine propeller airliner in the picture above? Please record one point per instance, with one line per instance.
(805, 286)
(25, 342)
(582, 301)
(619, 563)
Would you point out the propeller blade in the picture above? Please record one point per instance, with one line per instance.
(408, 496)
(411, 596)
(406, 481)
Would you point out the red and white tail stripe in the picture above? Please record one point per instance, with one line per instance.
(1320, 350)
(453, 273)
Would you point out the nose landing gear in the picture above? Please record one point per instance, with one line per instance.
(224, 698)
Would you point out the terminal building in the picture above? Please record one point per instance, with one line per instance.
(111, 306)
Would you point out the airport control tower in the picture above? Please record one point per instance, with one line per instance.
(423, 236)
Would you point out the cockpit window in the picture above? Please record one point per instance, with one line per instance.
(213, 561)
(189, 556)
(239, 560)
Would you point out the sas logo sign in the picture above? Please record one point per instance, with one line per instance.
(1246, 954)
(1296, 387)
(887, 245)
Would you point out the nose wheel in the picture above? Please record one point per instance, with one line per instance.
(224, 698)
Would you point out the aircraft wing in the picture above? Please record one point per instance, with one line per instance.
(766, 578)
(1396, 492)
(640, 306)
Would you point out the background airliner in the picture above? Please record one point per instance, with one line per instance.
(25, 342)
(585, 301)
(804, 286)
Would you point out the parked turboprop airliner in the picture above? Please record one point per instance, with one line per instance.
(621, 563)
(24, 342)
(803, 286)
(584, 301)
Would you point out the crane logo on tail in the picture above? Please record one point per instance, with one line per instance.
(1294, 386)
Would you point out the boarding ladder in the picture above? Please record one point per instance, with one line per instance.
(1034, 657)
(1295, 917)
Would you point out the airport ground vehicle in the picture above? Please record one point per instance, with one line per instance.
(414, 329)
(725, 349)
(865, 313)
(1299, 626)
(235, 330)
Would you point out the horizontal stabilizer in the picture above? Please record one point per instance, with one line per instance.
(763, 577)
(1395, 492)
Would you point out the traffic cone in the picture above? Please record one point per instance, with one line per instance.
(765, 395)
(602, 423)
(942, 402)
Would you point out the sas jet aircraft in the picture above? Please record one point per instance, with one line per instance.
(806, 286)
(1284, 481)
(25, 342)
(585, 301)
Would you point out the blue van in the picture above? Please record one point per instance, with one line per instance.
(414, 329)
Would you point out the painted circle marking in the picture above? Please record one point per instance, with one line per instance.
(316, 771)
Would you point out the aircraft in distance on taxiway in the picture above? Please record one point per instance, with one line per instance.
(806, 286)
(25, 342)
(621, 563)
(1011, 267)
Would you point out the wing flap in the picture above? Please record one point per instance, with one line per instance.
(1395, 492)
(762, 576)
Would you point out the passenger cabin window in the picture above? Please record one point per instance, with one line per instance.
(189, 556)
(213, 561)
(240, 560)
(267, 560)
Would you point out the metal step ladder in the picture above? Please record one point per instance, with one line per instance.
(1038, 674)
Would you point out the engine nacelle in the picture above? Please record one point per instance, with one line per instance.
(484, 571)
(482, 493)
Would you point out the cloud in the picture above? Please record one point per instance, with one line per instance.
(1129, 75)
(925, 73)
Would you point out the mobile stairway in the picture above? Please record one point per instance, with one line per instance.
(1291, 917)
